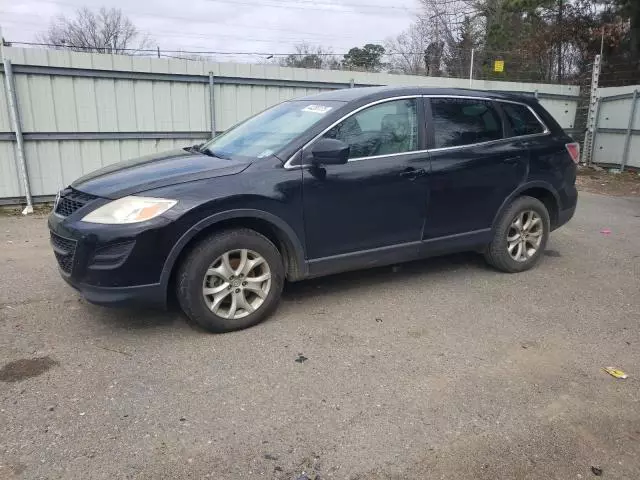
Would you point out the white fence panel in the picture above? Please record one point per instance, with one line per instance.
(5, 122)
(10, 186)
(82, 111)
(617, 139)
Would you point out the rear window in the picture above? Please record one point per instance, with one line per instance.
(521, 120)
(461, 121)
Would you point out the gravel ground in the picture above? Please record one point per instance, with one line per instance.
(436, 369)
(599, 180)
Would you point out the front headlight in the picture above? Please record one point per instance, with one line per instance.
(130, 210)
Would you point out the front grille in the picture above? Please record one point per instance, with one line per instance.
(64, 250)
(71, 200)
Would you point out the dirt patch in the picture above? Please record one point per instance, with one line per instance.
(12, 470)
(15, 211)
(26, 368)
(626, 184)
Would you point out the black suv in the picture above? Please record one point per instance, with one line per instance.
(337, 181)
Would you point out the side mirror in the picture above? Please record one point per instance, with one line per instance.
(328, 151)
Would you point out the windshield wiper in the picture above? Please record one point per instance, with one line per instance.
(194, 148)
(211, 153)
(198, 149)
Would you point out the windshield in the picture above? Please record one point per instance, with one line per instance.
(268, 132)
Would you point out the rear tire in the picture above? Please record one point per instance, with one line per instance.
(520, 236)
(230, 280)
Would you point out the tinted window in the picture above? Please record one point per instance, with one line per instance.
(382, 129)
(521, 120)
(460, 121)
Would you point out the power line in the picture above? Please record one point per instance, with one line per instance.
(312, 5)
(159, 33)
(398, 11)
(487, 53)
(155, 50)
(212, 36)
(296, 5)
(192, 20)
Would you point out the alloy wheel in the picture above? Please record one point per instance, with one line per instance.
(525, 235)
(237, 283)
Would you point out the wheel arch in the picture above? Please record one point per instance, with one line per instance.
(542, 191)
(265, 223)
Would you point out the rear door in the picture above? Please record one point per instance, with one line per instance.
(474, 166)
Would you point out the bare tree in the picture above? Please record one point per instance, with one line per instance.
(309, 56)
(447, 17)
(107, 31)
(431, 40)
(406, 51)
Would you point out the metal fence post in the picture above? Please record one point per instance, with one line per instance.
(212, 105)
(471, 68)
(627, 138)
(596, 122)
(587, 148)
(15, 120)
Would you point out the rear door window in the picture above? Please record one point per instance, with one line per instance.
(462, 121)
(521, 120)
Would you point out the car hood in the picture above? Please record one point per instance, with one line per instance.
(155, 171)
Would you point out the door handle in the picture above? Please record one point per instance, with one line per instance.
(512, 159)
(412, 173)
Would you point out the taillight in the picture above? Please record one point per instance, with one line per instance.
(574, 151)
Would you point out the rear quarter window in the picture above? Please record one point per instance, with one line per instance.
(521, 120)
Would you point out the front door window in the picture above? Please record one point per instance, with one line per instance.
(384, 129)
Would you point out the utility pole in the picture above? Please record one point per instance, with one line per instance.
(559, 41)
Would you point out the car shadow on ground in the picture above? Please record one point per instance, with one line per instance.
(341, 282)
(134, 318)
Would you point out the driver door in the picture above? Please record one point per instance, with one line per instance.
(370, 210)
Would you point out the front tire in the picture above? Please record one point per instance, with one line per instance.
(520, 236)
(231, 280)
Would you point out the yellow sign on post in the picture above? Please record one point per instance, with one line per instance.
(498, 66)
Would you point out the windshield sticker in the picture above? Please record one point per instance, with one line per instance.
(320, 109)
(266, 153)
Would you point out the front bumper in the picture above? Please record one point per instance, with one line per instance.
(143, 295)
(113, 264)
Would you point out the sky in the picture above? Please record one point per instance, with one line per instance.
(265, 26)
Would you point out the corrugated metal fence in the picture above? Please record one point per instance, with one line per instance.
(80, 111)
(617, 131)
